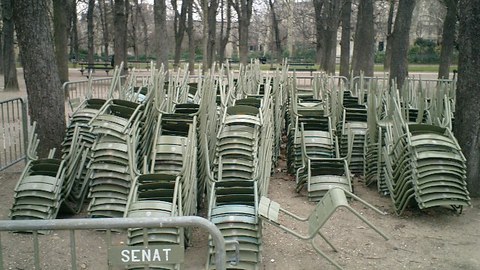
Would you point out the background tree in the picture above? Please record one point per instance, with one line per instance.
(46, 101)
(364, 43)
(120, 42)
(209, 31)
(60, 20)
(179, 27)
(345, 39)
(9, 64)
(401, 42)
(244, 13)
(388, 49)
(1, 39)
(74, 44)
(318, 6)
(448, 38)
(161, 36)
(332, 11)
(104, 19)
(225, 27)
(276, 40)
(191, 39)
(90, 33)
(467, 114)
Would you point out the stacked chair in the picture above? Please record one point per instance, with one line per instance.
(241, 168)
(40, 190)
(79, 177)
(115, 123)
(424, 165)
(320, 174)
(352, 130)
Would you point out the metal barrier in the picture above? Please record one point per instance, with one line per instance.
(13, 132)
(307, 81)
(109, 224)
(77, 91)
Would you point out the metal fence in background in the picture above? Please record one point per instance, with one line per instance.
(13, 132)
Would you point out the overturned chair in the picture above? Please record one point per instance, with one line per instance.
(269, 211)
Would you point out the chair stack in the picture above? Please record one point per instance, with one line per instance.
(424, 165)
(156, 196)
(79, 176)
(38, 193)
(114, 125)
(233, 209)
(233, 197)
(351, 129)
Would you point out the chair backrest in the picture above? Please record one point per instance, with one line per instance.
(325, 208)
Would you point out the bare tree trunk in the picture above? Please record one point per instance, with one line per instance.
(318, 6)
(290, 30)
(277, 42)
(90, 34)
(448, 38)
(363, 49)
(120, 42)
(191, 41)
(161, 36)
(331, 16)
(1, 40)
(345, 40)
(105, 31)
(400, 42)
(388, 49)
(224, 30)
(211, 33)
(134, 32)
(74, 47)
(46, 101)
(244, 12)
(9, 65)
(467, 114)
(61, 37)
(179, 26)
(145, 32)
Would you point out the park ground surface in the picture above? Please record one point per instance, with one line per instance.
(437, 238)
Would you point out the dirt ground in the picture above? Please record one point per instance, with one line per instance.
(434, 239)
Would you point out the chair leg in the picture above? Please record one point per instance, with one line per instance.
(328, 242)
(367, 222)
(312, 242)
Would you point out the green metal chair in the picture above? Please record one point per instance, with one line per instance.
(335, 198)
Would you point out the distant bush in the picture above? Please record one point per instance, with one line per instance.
(424, 51)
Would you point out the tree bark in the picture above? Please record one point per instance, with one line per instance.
(318, 6)
(331, 16)
(364, 45)
(244, 12)
(46, 101)
(448, 38)
(277, 42)
(105, 31)
(388, 48)
(179, 26)
(191, 41)
(120, 42)
(401, 42)
(9, 64)
(61, 37)
(74, 46)
(224, 30)
(345, 39)
(467, 114)
(90, 33)
(161, 35)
